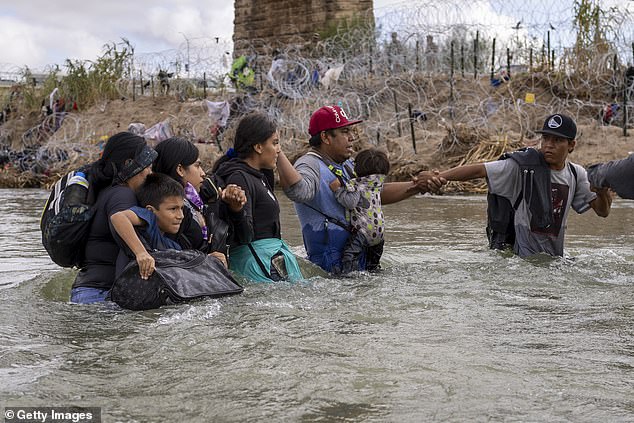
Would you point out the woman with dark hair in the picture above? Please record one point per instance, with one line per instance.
(204, 215)
(122, 168)
(259, 254)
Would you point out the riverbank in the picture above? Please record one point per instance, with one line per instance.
(473, 130)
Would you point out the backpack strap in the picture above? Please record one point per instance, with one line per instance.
(331, 167)
(339, 174)
(334, 220)
(573, 170)
(259, 261)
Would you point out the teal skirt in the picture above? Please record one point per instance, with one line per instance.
(242, 261)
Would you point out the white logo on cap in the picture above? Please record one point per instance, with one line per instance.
(337, 118)
(343, 113)
(555, 122)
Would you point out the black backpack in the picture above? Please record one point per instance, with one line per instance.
(501, 221)
(501, 215)
(179, 276)
(65, 227)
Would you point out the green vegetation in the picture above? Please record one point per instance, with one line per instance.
(89, 82)
(592, 24)
(86, 82)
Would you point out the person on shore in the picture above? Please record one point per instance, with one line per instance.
(618, 175)
(325, 227)
(260, 254)
(361, 196)
(147, 226)
(121, 170)
(204, 218)
(542, 186)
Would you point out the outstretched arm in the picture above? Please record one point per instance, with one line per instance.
(426, 181)
(615, 174)
(465, 173)
(394, 192)
(123, 223)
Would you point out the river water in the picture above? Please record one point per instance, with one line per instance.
(449, 331)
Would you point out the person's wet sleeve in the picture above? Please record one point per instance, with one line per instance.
(616, 174)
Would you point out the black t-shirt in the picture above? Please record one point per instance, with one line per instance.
(98, 268)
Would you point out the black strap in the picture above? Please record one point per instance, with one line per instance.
(334, 220)
(257, 259)
(573, 170)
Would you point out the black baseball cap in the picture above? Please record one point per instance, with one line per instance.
(560, 126)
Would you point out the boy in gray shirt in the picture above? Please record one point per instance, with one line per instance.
(567, 182)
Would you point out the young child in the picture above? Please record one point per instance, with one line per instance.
(362, 198)
(161, 213)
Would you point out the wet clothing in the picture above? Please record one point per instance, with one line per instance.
(506, 179)
(242, 258)
(362, 197)
(536, 185)
(325, 227)
(262, 210)
(83, 295)
(261, 219)
(98, 267)
(616, 174)
(355, 248)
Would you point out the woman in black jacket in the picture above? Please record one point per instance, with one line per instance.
(258, 254)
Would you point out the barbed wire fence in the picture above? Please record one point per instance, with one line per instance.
(487, 67)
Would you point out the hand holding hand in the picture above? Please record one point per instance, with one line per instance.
(429, 181)
(234, 196)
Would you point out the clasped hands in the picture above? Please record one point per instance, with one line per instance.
(429, 181)
(234, 196)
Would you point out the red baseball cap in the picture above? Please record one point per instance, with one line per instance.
(329, 117)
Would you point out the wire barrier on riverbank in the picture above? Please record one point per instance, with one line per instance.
(486, 70)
